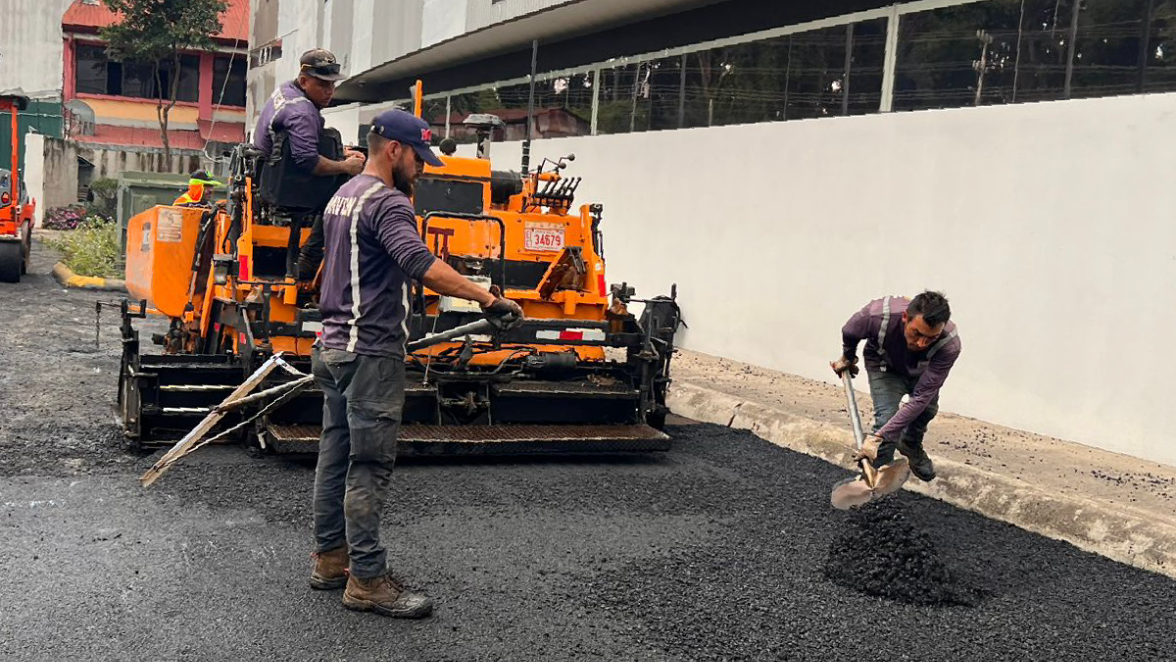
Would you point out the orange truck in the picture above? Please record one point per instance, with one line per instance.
(580, 374)
(16, 210)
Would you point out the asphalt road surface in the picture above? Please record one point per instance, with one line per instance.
(713, 551)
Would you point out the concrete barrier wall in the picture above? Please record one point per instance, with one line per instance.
(1051, 227)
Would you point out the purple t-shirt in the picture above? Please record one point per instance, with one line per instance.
(372, 248)
(930, 367)
(289, 109)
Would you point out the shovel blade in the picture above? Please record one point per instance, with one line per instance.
(850, 493)
(891, 477)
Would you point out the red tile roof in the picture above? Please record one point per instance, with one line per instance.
(85, 17)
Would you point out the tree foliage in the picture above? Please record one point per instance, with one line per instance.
(156, 33)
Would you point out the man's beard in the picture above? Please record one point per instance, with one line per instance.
(402, 182)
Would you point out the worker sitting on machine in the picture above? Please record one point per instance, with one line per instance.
(303, 162)
(199, 193)
(911, 346)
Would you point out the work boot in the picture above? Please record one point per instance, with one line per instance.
(386, 597)
(920, 463)
(330, 569)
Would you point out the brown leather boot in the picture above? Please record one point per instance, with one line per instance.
(386, 597)
(330, 569)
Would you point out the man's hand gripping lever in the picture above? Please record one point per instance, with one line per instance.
(503, 313)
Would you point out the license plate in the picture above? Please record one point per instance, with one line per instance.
(544, 237)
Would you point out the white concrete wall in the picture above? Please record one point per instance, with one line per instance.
(442, 20)
(31, 45)
(345, 119)
(1050, 227)
(33, 173)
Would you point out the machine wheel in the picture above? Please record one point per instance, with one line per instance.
(10, 261)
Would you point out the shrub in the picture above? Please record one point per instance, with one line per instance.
(92, 250)
(68, 217)
(104, 192)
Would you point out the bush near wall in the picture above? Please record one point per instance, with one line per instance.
(72, 217)
(92, 249)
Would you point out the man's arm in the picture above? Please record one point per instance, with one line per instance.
(925, 392)
(397, 231)
(352, 165)
(302, 125)
(443, 279)
(856, 329)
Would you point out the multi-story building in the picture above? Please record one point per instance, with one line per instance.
(111, 106)
(785, 162)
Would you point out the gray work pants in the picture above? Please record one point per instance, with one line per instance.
(362, 404)
(887, 390)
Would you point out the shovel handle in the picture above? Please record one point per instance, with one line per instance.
(869, 473)
(854, 416)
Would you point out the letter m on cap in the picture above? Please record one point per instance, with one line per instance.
(426, 134)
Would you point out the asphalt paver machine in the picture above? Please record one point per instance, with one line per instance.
(581, 374)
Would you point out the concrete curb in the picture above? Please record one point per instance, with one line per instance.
(68, 278)
(1121, 534)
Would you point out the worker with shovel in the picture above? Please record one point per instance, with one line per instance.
(911, 346)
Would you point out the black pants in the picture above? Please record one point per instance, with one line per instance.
(311, 254)
(362, 405)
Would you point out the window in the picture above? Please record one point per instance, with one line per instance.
(1039, 65)
(96, 74)
(563, 107)
(962, 56)
(1160, 54)
(92, 74)
(228, 80)
(1007, 51)
(819, 73)
(641, 97)
(1107, 56)
(433, 112)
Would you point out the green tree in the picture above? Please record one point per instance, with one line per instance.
(155, 33)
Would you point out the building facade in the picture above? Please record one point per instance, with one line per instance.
(674, 64)
(110, 107)
(786, 162)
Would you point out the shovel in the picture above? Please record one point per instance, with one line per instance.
(857, 491)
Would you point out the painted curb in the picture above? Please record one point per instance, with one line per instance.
(1122, 534)
(69, 279)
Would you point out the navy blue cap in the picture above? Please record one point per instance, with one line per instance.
(407, 129)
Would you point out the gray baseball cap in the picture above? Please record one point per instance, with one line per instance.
(321, 63)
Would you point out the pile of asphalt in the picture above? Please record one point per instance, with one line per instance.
(882, 553)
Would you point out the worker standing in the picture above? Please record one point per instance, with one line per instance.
(911, 346)
(301, 170)
(372, 250)
(199, 193)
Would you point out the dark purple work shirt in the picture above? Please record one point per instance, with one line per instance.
(372, 249)
(929, 367)
(289, 109)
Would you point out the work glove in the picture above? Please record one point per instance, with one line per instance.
(504, 313)
(842, 364)
(869, 449)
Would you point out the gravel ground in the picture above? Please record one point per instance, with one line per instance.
(717, 550)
